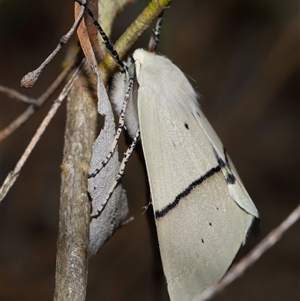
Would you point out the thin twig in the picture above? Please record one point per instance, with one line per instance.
(36, 103)
(30, 78)
(18, 96)
(238, 269)
(13, 175)
(74, 209)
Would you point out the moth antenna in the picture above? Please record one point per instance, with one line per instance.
(108, 43)
(118, 132)
(155, 34)
(127, 155)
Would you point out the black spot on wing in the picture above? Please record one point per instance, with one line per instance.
(160, 213)
(186, 126)
(230, 179)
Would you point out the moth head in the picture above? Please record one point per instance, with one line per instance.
(140, 56)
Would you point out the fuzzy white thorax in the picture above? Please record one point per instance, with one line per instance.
(163, 80)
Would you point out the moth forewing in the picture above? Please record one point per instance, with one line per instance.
(202, 220)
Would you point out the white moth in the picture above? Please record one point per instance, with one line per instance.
(201, 208)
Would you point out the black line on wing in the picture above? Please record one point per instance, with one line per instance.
(186, 192)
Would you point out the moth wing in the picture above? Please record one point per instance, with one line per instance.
(200, 229)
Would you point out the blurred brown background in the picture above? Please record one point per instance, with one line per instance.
(243, 58)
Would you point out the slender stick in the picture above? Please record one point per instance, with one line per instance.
(74, 210)
(30, 78)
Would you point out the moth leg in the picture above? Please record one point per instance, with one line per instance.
(126, 157)
(121, 125)
(155, 34)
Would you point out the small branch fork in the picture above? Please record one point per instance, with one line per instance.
(13, 175)
(35, 104)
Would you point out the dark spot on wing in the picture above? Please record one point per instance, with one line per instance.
(230, 179)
